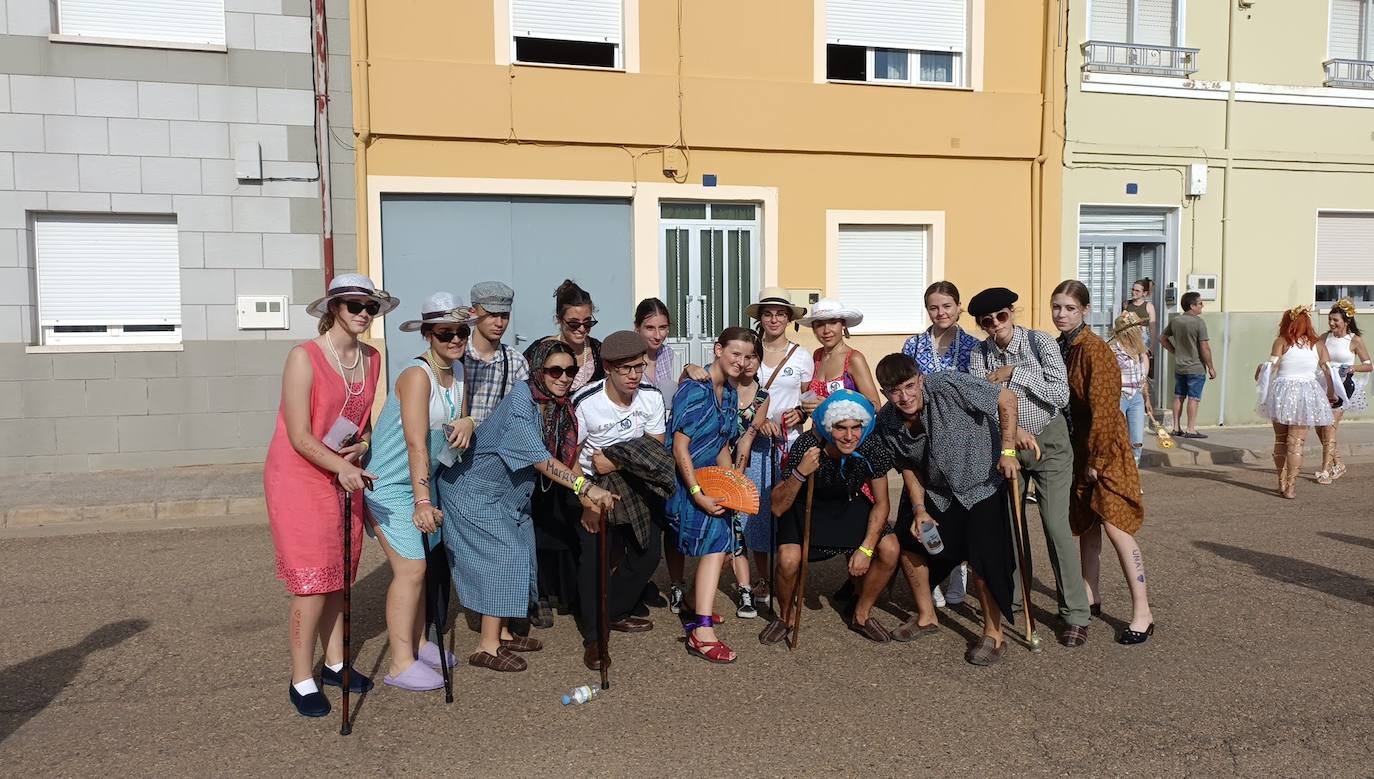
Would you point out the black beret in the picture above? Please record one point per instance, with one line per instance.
(990, 300)
(622, 345)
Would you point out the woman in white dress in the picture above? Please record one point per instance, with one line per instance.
(1295, 392)
(1350, 357)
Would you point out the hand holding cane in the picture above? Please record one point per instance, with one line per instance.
(800, 602)
(1023, 561)
(346, 727)
(603, 633)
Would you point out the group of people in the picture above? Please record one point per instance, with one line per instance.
(502, 469)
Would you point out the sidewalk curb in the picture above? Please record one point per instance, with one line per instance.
(101, 515)
(1184, 455)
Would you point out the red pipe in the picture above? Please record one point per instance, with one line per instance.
(321, 72)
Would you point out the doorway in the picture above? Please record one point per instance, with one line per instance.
(711, 263)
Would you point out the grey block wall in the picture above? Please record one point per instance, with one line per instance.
(115, 129)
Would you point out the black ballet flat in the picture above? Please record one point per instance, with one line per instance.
(1130, 637)
(1095, 609)
(311, 705)
(357, 683)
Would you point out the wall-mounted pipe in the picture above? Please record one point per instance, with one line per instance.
(320, 45)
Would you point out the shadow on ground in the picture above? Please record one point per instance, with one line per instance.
(1289, 570)
(1367, 543)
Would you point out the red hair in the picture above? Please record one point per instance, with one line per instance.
(1296, 328)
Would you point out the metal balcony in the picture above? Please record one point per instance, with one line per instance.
(1105, 57)
(1356, 74)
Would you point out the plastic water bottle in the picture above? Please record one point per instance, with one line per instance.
(580, 695)
(930, 538)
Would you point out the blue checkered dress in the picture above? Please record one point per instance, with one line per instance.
(485, 498)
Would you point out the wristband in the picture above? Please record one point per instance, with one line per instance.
(366, 444)
(423, 502)
(695, 490)
(798, 476)
(577, 484)
(867, 552)
(1008, 452)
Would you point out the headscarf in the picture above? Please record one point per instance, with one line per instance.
(839, 406)
(560, 423)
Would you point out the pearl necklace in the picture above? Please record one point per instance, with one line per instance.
(346, 370)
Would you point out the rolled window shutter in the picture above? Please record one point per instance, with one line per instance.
(596, 21)
(102, 270)
(171, 21)
(927, 25)
(1121, 221)
(1110, 21)
(882, 272)
(1344, 37)
(1155, 22)
(1345, 249)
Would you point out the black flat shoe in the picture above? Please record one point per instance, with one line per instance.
(1095, 609)
(312, 705)
(652, 597)
(1130, 637)
(356, 681)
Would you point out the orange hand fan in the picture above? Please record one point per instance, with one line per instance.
(730, 488)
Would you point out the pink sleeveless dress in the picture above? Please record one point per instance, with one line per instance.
(304, 502)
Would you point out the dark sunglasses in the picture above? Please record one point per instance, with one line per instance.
(558, 371)
(584, 324)
(987, 320)
(461, 333)
(357, 307)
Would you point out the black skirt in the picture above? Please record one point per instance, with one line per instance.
(980, 535)
(839, 522)
(556, 514)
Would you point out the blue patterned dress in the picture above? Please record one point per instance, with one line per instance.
(710, 425)
(485, 498)
(921, 348)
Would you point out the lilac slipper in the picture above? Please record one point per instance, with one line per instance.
(417, 678)
(429, 655)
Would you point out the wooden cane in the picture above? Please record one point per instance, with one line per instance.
(346, 727)
(1023, 563)
(801, 572)
(439, 634)
(603, 635)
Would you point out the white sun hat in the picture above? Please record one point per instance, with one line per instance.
(352, 285)
(826, 309)
(441, 308)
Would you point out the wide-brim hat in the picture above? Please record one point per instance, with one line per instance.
(350, 285)
(1125, 322)
(441, 308)
(774, 296)
(826, 309)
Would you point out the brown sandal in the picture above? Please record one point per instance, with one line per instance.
(986, 652)
(503, 660)
(912, 630)
(522, 644)
(773, 632)
(872, 630)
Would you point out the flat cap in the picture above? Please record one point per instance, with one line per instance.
(990, 300)
(493, 296)
(622, 345)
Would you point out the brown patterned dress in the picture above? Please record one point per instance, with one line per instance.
(1100, 440)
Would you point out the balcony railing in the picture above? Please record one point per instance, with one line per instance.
(1104, 57)
(1358, 74)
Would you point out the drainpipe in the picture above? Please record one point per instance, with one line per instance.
(1222, 296)
(1038, 164)
(320, 37)
(362, 121)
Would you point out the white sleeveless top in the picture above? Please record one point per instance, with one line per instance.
(1339, 350)
(1299, 361)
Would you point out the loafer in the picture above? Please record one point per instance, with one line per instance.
(429, 655)
(503, 660)
(541, 614)
(591, 657)
(632, 625)
(522, 644)
(356, 681)
(773, 632)
(986, 652)
(1074, 636)
(872, 630)
(911, 630)
(419, 677)
(311, 705)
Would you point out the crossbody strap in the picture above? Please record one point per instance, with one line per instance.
(786, 359)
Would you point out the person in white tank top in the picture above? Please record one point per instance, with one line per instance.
(1295, 392)
(1350, 357)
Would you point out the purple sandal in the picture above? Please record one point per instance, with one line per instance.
(429, 655)
(419, 677)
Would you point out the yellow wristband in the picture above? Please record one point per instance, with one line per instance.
(578, 483)
(696, 490)
(1008, 452)
(867, 552)
(366, 444)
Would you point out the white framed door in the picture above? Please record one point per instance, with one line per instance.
(711, 270)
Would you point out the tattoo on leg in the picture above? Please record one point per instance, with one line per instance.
(1139, 565)
(295, 627)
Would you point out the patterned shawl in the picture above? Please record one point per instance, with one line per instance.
(560, 424)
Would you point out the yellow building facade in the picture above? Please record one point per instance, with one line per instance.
(1224, 146)
(699, 151)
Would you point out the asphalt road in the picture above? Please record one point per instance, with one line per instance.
(163, 653)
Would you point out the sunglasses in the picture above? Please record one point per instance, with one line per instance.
(988, 320)
(558, 371)
(461, 333)
(583, 324)
(372, 307)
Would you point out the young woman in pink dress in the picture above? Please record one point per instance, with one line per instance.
(323, 426)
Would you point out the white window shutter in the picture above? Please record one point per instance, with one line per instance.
(104, 270)
(882, 272)
(595, 21)
(1344, 38)
(1110, 21)
(1097, 269)
(1155, 22)
(169, 21)
(1345, 249)
(926, 25)
(1121, 221)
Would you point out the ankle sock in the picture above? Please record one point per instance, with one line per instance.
(335, 667)
(306, 687)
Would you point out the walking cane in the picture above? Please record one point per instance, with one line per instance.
(1023, 560)
(346, 727)
(801, 572)
(603, 633)
(772, 534)
(438, 632)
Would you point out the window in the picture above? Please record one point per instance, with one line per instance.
(585, 33)
(108, 279)
(193, 22)
(1144, 22)
(711, 267)
(914, 42)
(881, 271)
(1345, 258)
(1350, 35)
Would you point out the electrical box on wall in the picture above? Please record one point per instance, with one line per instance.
(262, 312)
(1205, 284)
(248, 161)
(804, 297)
(1197, 179)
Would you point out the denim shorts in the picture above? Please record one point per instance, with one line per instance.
(1189, 385)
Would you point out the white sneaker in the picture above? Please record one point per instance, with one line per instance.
(939, 598)
(955, 585)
